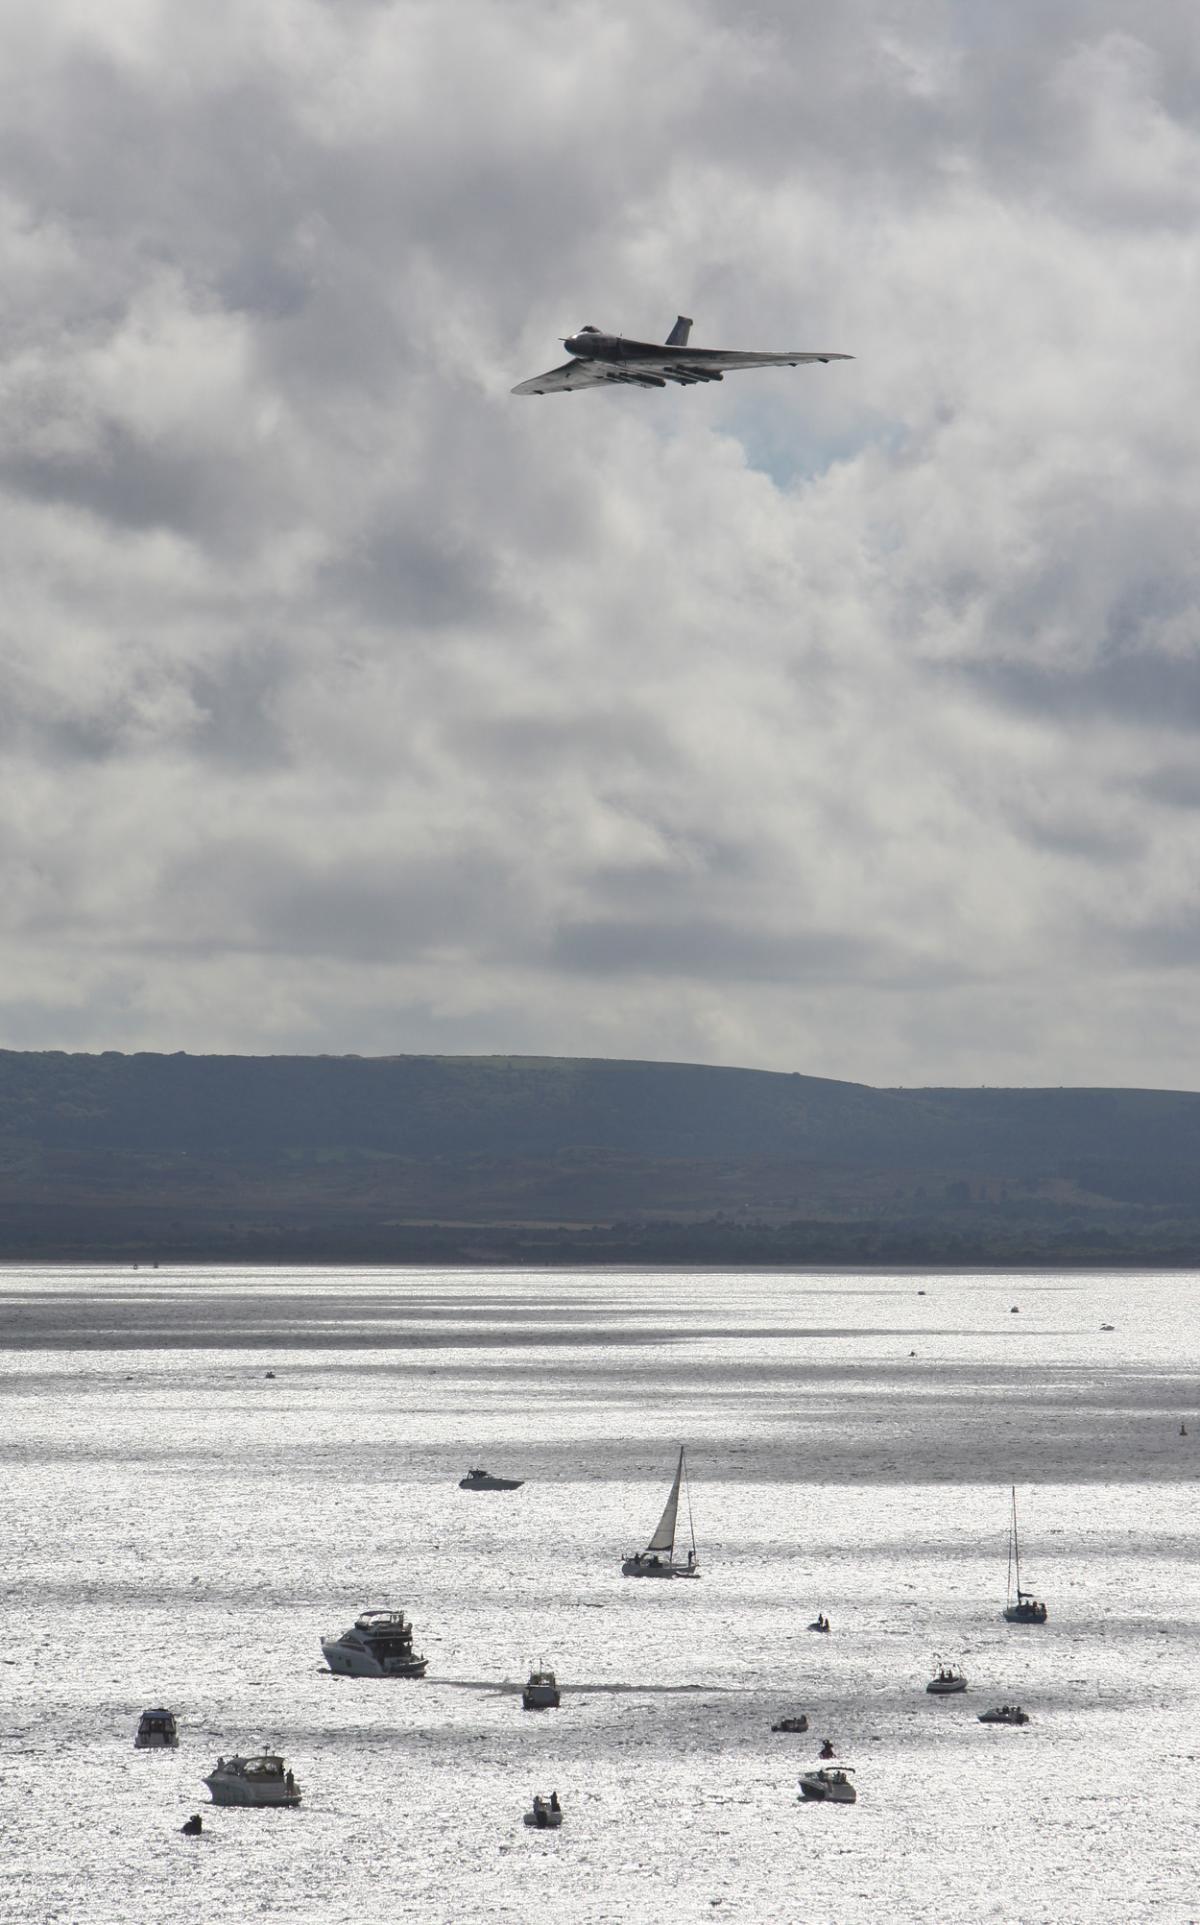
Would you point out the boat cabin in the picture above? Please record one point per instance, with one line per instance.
(156, 1730)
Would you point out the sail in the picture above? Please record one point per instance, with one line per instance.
(664, 1536)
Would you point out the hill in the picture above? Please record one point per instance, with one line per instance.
(416, 1158)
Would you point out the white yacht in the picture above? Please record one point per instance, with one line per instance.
(377, 1645)
(829, 1785)
(659, 1559)
(261, 1780)
(541, 1693)
(156, 1731)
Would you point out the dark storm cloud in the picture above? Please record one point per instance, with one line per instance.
(350, 703)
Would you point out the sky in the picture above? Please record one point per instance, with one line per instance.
(839, 719)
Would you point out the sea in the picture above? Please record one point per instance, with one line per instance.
(207, 1469)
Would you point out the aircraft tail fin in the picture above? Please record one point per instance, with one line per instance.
(678, 337)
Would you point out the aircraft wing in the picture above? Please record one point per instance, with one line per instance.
(572, 374)
(687, 368)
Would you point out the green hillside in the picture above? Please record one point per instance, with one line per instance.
(226, 1155)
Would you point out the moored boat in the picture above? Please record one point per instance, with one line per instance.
(1004, 1714)
(156, 1731)
(1022, 1607)
(946, 1680)
(546, 1813)
(263, 1779)
(829, 1785)
(483, 1480)
(799, 1723)
(659, 1559)
(377, 1645)
(541, 1693)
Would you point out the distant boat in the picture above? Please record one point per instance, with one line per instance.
(1022, 1606)
(379, 1644)
(156, 1730)
(829, 1787)
(482, 1480)
(799, 1723)
(1004, 1714)
(658, 1559)
(546, 1813)
(946, 1680)
(262, 1780)
(541, 1693)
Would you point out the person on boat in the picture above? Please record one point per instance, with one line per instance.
(691, 1559)
(554, 1804)
(827, 1750)
(290, 1781)
(193, 1826)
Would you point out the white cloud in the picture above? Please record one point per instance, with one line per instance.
(836, 719)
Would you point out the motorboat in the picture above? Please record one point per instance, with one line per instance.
(482, 1480)
(659, 1559)
(260, 1780)
(1022, 1607)
(156, 1731)
(541, 1693)
(799, 1723)
(377, 1645)
(830, 1785)
(1004, 1714)
(546, 1813)
(947, 1679)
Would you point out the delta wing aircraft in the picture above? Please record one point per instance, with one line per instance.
(599, 360)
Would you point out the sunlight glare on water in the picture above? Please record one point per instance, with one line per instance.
(181, 1529)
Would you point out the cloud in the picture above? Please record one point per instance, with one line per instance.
(833, 719)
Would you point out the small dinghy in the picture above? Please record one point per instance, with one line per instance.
(1004, 1714)
(799, 1723)
(156, 1731)
(482, 1480)
(546, 1813)
(819, 1623)
(541, 1693)
(829, 1787)
(947, 1679)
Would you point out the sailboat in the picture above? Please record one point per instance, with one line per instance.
(1023, 1607)
(658, 1559)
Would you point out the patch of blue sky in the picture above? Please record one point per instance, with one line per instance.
(793, 450)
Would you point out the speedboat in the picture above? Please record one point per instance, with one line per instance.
(156, 1731)
(482, 1480)
(799, 1723)
(546, 1813)
(659, 1559)
(261, 1780)
(1004, 1714)
(830, 1786)
(541, 1693)
(377, 1645)
(947, 1679)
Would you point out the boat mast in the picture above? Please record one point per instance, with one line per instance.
(1014, 1549)
(687, 1484)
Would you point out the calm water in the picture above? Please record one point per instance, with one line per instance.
(179, 1529)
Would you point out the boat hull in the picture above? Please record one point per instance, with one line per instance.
(1025, 1614)
(238, 1791)
(545, 1820)
(1004, 1717)
(490, 1483)
(540, 1699)
(818, 1794)
(945, 1687)
(347, 1661)
(155, 1742)
(661, 1567)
